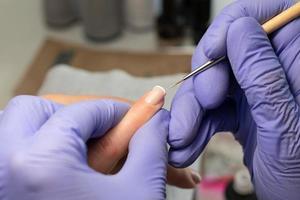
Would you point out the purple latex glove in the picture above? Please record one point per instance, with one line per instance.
(43, 152)
(259, 104)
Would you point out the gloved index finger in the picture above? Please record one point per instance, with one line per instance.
(214, 41)
(148, 149)
(211, 86)
(84, 120)
(24, 115)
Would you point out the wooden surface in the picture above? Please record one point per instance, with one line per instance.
(136, 63)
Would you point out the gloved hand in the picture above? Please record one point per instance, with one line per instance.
(43, 152)
(259, 104)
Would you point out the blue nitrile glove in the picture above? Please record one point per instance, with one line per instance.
(261, 108)
(43, 152)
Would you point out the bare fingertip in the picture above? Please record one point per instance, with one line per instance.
(196, 177)
(156, 95)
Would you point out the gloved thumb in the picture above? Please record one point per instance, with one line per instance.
(262, 78)
(147, 158)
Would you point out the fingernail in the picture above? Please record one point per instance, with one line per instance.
(196, 177)
(156, 95)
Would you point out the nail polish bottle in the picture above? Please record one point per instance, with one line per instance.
(170, 24)
(139, 14)
(200, 11)
(102, 19)
(60, 13)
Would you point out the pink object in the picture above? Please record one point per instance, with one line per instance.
(212, 189)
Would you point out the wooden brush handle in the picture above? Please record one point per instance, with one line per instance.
(282, 19)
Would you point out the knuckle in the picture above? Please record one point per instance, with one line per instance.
(17, 163)
(22, 100)
(164, 114)
(179, 163)
(181, 159)
(181, 133)
(30, 175)
(160, 119)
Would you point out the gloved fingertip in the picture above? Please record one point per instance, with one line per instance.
(162, 116)
(214, 40)
(120, 109)
(113, 112)
(240, 27)
(155, 128)
(211, 86)
(214, 44)
(186, 114)
(198, 57)
(242, 32)
(180, 159)
(182, 132)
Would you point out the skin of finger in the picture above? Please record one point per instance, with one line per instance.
(65, 99)
(106, 153)
(175, 177)
(70, 99)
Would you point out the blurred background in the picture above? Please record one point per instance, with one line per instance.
(129, 25)
(117, 48)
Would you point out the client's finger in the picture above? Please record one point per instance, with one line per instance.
(70, 99)
(176, 177)
(183, 178)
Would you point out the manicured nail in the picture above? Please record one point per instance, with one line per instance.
(196, 177)
(156, 95)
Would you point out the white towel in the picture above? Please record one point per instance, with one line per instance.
(68, 80)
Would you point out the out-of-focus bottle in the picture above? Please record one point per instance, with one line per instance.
(139, 14)
(102, 19)
(60, 13)
(241, 188)
(172, 20)
(200, 16)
